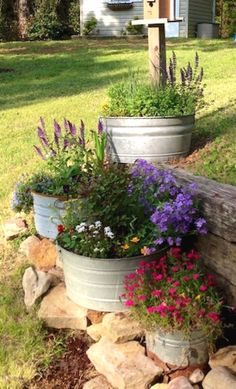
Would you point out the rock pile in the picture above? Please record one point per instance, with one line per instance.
(118, 353)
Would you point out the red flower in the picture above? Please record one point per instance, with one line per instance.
(172, 291)
(190, 266)
(60, 228)
(203, 288)
(175, 269)
(142, 297)
(201, 312)
(157, 293)
(157, 277)
(129, 303)
(193, 255)
(186, 278)
(176, 283)
(214, 316)
(196, 276)
(176, 252)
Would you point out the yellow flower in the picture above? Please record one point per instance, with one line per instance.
(125, 246)
(198, 297)
(144, 250)
(135, 239)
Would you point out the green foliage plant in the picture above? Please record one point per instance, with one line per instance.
(90, 25)
(134, 29)
(74, 17)
(67, 158)
(133, 97)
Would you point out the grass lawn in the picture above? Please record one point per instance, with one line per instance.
(70, 79)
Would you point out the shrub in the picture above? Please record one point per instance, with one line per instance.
(134, 97)
(134, 30)
(89, 26)
(74, 17)
(45, 25)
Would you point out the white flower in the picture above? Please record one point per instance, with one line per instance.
(108, 232)
(98, 224)
(91, 227)
(81, 227)
(95, 233)
(96, 250)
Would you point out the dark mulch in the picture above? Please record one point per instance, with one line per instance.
(7, 70)
(69, 371)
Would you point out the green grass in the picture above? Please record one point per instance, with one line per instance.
(70, 79)
(23, 344)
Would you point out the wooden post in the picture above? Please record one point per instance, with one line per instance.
(157, 53)
(156, 38)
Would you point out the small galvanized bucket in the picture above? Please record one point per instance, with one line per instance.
(48, 211)
(177, 349)
(96, 283)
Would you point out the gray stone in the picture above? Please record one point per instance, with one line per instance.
(125, 366)
(224, 357)
(180, 383)
(196, 376)
(27, 245)
(219, 378)
(35, 283)
(98, 382)
(14, 227)
(58, 311)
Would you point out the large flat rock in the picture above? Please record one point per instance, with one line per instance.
(219, 378)
(224, 357)
(58, 311)
(125, 366)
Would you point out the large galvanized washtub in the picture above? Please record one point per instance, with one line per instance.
(96, 283)
(154, 139)
(48, 211)
(178, 349)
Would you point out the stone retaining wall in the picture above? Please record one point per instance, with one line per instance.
(218, 248)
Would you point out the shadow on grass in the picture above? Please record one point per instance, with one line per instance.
(213, 124)
(204, 45)
(59, 72)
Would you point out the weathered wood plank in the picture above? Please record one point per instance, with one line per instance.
(220, 257)
(219, 203)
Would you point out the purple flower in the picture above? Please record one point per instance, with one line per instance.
(178, 241)
(39, 152)
(42, 136)
(57, 132)
(100, 126)
(170, 241)
(159, 241)
(82, 133)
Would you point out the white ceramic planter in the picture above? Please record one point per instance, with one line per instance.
(48, 211)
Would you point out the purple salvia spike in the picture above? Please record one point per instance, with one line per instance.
(72, 128)
(57, 132)
(100, 126)
(42, 136)
(66, 143)
(82, 132)
(66, 126)
(39, 152)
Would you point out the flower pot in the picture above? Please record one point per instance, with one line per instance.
(96, 283)
(176, 349)
(153, 138)
(48, 211)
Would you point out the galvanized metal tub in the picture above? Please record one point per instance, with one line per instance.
(48, 211)
(153, 139)
(176, 349)
(96, 283)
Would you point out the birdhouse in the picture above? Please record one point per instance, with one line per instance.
(155, 9)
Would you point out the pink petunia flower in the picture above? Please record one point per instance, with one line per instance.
(214, 316)
(129, 303)
(203, 288)
(196, 276)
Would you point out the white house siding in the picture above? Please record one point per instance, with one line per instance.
(183, 12)
(199, 11)
(110, 22)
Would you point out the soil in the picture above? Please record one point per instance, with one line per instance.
(69, 371)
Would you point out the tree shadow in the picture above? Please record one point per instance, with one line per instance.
(214, 124)
(204, 45)
(49, 71)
